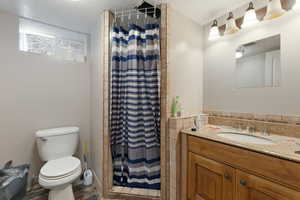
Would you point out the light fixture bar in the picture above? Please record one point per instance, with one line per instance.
(274, 10)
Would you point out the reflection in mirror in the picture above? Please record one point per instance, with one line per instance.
(258, 63)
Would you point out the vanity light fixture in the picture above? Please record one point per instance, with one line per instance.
(214, 32)
(231, 27)
(274, 10)
(250, 17)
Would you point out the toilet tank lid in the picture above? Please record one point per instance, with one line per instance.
(57, 131)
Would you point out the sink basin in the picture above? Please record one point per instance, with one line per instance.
(242, 138)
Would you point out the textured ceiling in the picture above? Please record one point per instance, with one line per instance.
(76, 15)
(82, 15)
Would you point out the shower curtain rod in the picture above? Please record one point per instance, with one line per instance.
(133, 14)
(135, 10)
(151, 11)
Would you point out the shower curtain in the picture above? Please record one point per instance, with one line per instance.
(135, 106)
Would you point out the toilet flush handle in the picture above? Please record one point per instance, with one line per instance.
(43, 139)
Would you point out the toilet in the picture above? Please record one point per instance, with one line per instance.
(57, 147)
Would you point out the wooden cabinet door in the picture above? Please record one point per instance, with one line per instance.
(250, 187)
(209, 180)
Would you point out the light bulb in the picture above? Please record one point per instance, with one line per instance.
(250, 17)
(231, 26)
(214, 32)
(240, 52)
(274, 10)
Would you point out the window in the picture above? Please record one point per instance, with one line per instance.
(49, 40)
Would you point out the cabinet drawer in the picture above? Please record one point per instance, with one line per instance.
(276, 169)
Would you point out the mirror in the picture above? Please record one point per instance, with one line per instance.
(258, 63)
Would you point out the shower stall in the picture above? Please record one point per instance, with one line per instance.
(135, 97)
(134, 141)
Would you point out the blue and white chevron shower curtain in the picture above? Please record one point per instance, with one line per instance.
(135, 106)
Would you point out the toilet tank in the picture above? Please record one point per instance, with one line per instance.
(57, 143)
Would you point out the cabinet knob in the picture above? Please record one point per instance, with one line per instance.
(243, 182)
(227, 176)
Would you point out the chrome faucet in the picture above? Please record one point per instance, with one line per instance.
(250, 130)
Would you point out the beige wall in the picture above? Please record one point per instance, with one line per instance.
(185, 60)
(221, 93)
(96, 100)
(37, 92)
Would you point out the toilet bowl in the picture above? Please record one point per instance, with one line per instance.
(56, 147)
(58, 175)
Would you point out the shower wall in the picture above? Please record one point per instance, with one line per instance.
(185, 69)
(96, 101)
(185, 60)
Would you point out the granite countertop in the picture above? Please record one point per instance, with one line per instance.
(283, 147)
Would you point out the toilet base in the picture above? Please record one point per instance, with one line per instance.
(65, 193)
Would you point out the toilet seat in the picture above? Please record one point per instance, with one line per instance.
(60, 171)
(59, 168)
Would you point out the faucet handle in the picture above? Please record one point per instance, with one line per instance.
(248, 128)
(240, 127)
(265, 131)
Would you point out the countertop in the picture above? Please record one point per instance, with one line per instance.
(283, 147)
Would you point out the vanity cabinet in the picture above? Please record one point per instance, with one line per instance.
(219, 171)
(210, 180)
